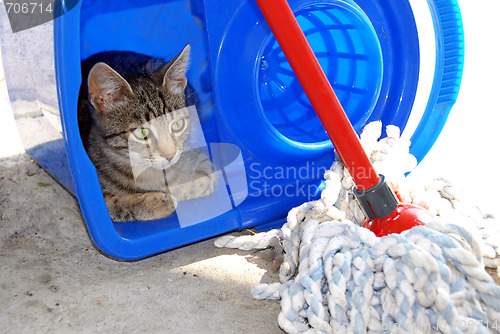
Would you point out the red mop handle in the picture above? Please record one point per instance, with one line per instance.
(294, 44)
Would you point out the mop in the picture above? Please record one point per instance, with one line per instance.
(404, 270)
(338, 277)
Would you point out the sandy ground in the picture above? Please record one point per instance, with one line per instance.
(54, 280)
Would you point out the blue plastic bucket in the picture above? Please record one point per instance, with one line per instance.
(265, 139)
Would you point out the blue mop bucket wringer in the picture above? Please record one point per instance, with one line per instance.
(264, 138)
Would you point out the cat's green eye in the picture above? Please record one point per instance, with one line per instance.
(141, 133)
(177, 125)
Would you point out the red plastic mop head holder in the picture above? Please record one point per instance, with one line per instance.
(405, 217)
(384, 212)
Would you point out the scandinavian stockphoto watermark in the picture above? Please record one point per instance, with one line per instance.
(463, 325)
(467, 325)
(287, 181)
(26, 14)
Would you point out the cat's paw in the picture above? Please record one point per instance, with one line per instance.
(208, 183)
(156, 205)
(141, 207)
(205, 179)
(203, 184)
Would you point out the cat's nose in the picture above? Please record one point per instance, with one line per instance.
(170, 157)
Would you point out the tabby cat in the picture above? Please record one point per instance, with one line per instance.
(134, 120)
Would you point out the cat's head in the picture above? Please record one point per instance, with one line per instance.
(144, 117)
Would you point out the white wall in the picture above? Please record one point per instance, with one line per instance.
(468, 152)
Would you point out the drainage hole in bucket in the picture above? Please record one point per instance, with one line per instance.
(349, 56)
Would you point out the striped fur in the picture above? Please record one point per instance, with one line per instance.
(143, 173)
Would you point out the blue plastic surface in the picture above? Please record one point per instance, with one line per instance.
(274, 151)
(448, 28)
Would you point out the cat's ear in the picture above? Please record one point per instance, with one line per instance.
(175, 80)
(107, 88)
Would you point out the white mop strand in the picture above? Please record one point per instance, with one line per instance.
(338, 277)
(249, 242)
